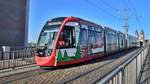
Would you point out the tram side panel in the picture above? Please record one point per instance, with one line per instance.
(122, 45)
(111, 37)
(89, 44)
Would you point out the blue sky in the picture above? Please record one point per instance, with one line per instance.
(103, 12)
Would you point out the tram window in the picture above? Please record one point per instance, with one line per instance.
(122, 42)
(91, 39)
(67, 38)
(83, 38)
(98, 39)
(109, 39)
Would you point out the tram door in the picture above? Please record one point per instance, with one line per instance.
(84, 41)
(68, 41)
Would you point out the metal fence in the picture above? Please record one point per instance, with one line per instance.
(16, 57)
(128, 72)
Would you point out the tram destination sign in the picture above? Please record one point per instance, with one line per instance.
(54, 23)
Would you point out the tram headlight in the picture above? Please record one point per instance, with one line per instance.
(43, 52)
(48, 52)
(39, 51)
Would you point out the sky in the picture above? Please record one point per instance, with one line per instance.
(103, 12)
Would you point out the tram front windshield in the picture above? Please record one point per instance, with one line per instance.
(48, 37)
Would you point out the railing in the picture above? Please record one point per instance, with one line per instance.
(128, 72)
(16, 57)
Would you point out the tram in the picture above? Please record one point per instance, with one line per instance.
(70, 40)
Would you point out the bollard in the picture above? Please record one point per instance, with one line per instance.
(6, 50)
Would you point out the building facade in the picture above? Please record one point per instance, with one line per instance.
(142, 36)
(14, 22)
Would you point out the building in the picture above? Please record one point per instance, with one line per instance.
(142, 38)
(14, 22)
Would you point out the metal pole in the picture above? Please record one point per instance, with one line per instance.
(123, 76)
(136, 71)
(126, 26)
(141, 61)
(13, 55)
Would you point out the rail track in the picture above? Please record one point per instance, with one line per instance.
(86, 72)
(95, 74)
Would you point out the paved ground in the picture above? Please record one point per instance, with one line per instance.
(11, 71)
(145, 78)
(84, 73)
